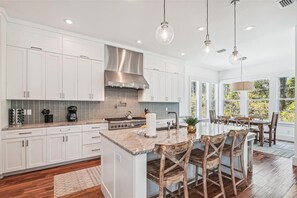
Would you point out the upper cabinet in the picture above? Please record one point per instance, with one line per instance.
(165, 78)
(83, 48)
(27, 37)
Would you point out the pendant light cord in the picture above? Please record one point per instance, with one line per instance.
(234, 1)
(207, 35)
(164, 11)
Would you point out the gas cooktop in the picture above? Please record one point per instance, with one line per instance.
(125, 123)
(124, 119)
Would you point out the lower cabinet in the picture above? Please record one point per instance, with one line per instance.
(22, 153)
(64, 147)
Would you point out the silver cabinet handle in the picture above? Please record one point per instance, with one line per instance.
(96, 127)
(66, 138)
(63, 138)
(156, 69)
(23, 143)
(62, 130)
(36, 48)
(27, 143)
(95, 150)
(25, 133)
(28, 94)
(84, 57)
(96, 137)
(24, 94)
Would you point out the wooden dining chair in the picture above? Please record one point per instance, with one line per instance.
(171, 168)
(272, 129)
(233, 151)
(212, 116)
(209, 159)
(223, 120)
(243, 121)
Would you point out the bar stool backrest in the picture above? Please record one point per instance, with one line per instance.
(213, 146)
(243, 121)
(178, 153)
(238, 139)
(223, 119)
(274, 121)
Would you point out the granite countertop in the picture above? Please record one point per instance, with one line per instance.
(54, 124)
(132, 142)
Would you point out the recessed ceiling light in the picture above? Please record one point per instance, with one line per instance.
(248, 28)
(68, 21)
(182, 54)
(139, 41)
(201, 28)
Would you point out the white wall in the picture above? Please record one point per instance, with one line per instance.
(197, 73)
(295, 134)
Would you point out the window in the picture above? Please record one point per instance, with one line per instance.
(231, 101)
(194, 98)
(204, 100)
(287, 99)
(258, 104)
(213, 91)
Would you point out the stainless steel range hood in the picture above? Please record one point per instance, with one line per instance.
(124, 68)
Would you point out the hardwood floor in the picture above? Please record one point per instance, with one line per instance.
(273, 177)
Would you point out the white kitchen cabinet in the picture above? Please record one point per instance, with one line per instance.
(73, 146)
(56, 148)
(84, 79)
(83, 48)
(69, 78)
(90, 80)
(36, 75)
(14, 154)
(181, 88)
(97, 81)
(153, 62)
(35, 151)
(27, 37)
(16, 73)
(54, 76)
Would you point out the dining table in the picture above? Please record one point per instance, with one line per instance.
(259, 123)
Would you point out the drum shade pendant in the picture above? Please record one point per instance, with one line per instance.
(242, 85)
(206, 47)
(235, 57)
(164, 32)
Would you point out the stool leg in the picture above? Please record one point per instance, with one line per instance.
(221, 180)
(270, 138)
(243, 170)
(161, 193)
(186, 193)
(196, 176)
(179, 189)
(204, 182)
(274, 140)
(232, 175)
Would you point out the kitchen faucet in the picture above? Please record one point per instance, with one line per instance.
(176, 119)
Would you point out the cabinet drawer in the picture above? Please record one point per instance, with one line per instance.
(91, 150)
(59, 130)
(95, 127)
(23, 133)
(91, 137)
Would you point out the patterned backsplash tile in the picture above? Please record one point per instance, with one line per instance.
(113, 106)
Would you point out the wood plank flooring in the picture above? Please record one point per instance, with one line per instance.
(273, 177)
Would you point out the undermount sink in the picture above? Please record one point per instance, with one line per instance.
(165, 128)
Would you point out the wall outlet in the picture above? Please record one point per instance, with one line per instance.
(29, 111)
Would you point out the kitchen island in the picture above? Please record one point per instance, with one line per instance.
(125, 154)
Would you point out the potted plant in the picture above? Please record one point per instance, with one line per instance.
(191, 121)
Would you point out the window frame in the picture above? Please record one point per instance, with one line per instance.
(231, 100)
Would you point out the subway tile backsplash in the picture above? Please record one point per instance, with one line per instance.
(118, 101)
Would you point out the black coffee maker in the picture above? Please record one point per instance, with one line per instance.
(72, 116)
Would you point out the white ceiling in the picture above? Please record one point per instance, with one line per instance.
(125, 21)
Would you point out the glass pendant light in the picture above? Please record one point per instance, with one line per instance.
(207, 43)
(235, 57)
(164, 32)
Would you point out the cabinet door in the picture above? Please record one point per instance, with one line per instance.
(169, 84)
(175, 87)
(16, 69)
(14, 155)
(161, 89)
(36, 151)
(69, 78)
(84, 79)
(97, 81)
(73, 146)
(181, 90)
(53, 65)
(55, 148)
(36, 75)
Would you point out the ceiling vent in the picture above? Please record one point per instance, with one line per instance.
(284, 3)
(221, 51)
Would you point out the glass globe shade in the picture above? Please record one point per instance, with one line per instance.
(207, 47)
(235, 57)
(164, 33)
